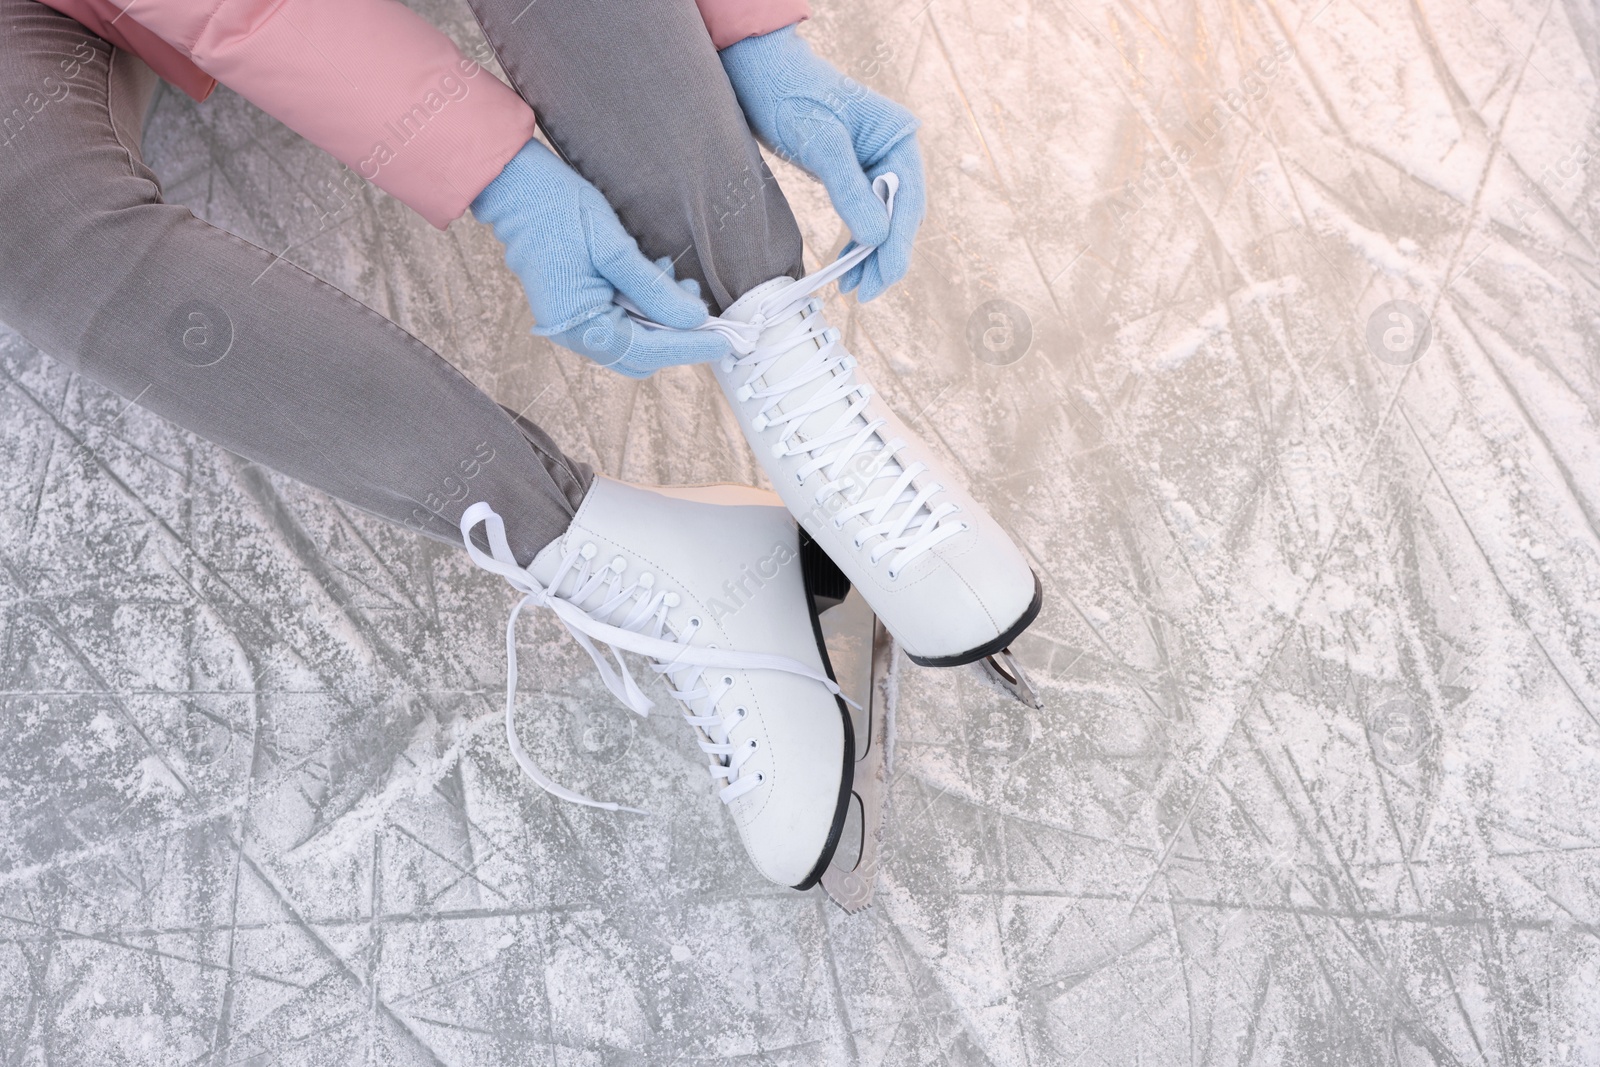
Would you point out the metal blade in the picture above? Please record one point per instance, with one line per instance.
(1004, 668)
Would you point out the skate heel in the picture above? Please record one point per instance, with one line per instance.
(824, 579)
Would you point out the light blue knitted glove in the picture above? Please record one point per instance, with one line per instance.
(845, 135)
(569, 249)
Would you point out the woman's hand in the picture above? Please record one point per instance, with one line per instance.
(845, 135)
(569, 249)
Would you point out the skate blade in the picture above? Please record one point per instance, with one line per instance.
(1004, 668)
(861, 652)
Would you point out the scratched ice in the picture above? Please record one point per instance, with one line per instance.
(1318, 779)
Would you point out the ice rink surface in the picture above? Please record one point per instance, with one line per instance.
(1318, 777)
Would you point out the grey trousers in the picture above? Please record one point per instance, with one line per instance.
(177, 315)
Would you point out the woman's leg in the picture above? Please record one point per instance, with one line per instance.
(184, 318)
(631, 92)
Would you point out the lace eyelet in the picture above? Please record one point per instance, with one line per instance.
(694, 622)
(760, 778)
(893, 574)
(742, 712)
(752, 745)
(589, 551)
(727, 679)
(798, 480)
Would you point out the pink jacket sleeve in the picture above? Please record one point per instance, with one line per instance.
(107, 20)
(734, 20)
(369, 81)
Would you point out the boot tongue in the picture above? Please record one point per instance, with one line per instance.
(744, 310)
(820, 422)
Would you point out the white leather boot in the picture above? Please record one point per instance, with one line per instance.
(943, 576)
(708, 584)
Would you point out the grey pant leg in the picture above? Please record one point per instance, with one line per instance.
(178, 315)
(632, 94)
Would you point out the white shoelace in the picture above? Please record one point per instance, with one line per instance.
(901, 512)
(640, 625)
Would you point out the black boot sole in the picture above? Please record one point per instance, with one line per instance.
(831, 582)
(991, 647)
(822, 579)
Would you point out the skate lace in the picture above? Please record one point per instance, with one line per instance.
(902, 510)
(628, 617)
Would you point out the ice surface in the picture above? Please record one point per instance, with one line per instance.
(1318, 778)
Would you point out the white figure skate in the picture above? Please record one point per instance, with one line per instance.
(708, 583)
(941, 574)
